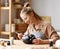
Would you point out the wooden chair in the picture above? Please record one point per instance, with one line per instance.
(47, 18)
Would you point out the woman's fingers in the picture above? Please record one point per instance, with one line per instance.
(20, 36)
(36, 41)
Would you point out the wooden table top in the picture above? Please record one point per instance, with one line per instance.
(18, 44)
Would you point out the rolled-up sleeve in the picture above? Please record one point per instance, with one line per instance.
(51, 33)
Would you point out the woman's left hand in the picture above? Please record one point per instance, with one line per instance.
(37, 41)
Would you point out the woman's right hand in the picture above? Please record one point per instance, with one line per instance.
(20, 35)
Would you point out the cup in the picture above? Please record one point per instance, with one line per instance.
(11, 40)
(6, 3)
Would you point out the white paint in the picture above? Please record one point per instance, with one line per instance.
(48, 8)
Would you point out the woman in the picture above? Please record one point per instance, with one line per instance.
(42, 30)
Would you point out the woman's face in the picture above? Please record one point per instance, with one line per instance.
(27, 18)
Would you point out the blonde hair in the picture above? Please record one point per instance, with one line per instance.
(27, 4)
(27, 10)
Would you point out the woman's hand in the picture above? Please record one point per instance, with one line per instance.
(37, 41)
(20, 35)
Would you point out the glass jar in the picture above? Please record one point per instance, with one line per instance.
(6, 3)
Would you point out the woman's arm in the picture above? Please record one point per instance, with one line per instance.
(47, 41)
(53, 38)
(20, 35)
(40, 41)
(50, 34)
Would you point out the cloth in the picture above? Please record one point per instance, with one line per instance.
(42, 29)
(38, 34)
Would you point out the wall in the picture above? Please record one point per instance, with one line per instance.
(43, 8)
(48, 8)
(5, 15)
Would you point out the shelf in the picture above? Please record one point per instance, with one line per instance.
(21, 27)
(20, 31)
(17, 3)
(5, 7)
(12, 6)
(6, 33)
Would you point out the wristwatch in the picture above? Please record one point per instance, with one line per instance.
(50, 42)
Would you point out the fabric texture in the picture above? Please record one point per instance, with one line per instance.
(43, 30)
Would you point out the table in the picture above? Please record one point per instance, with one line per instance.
(21, 45)
(18, 44)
